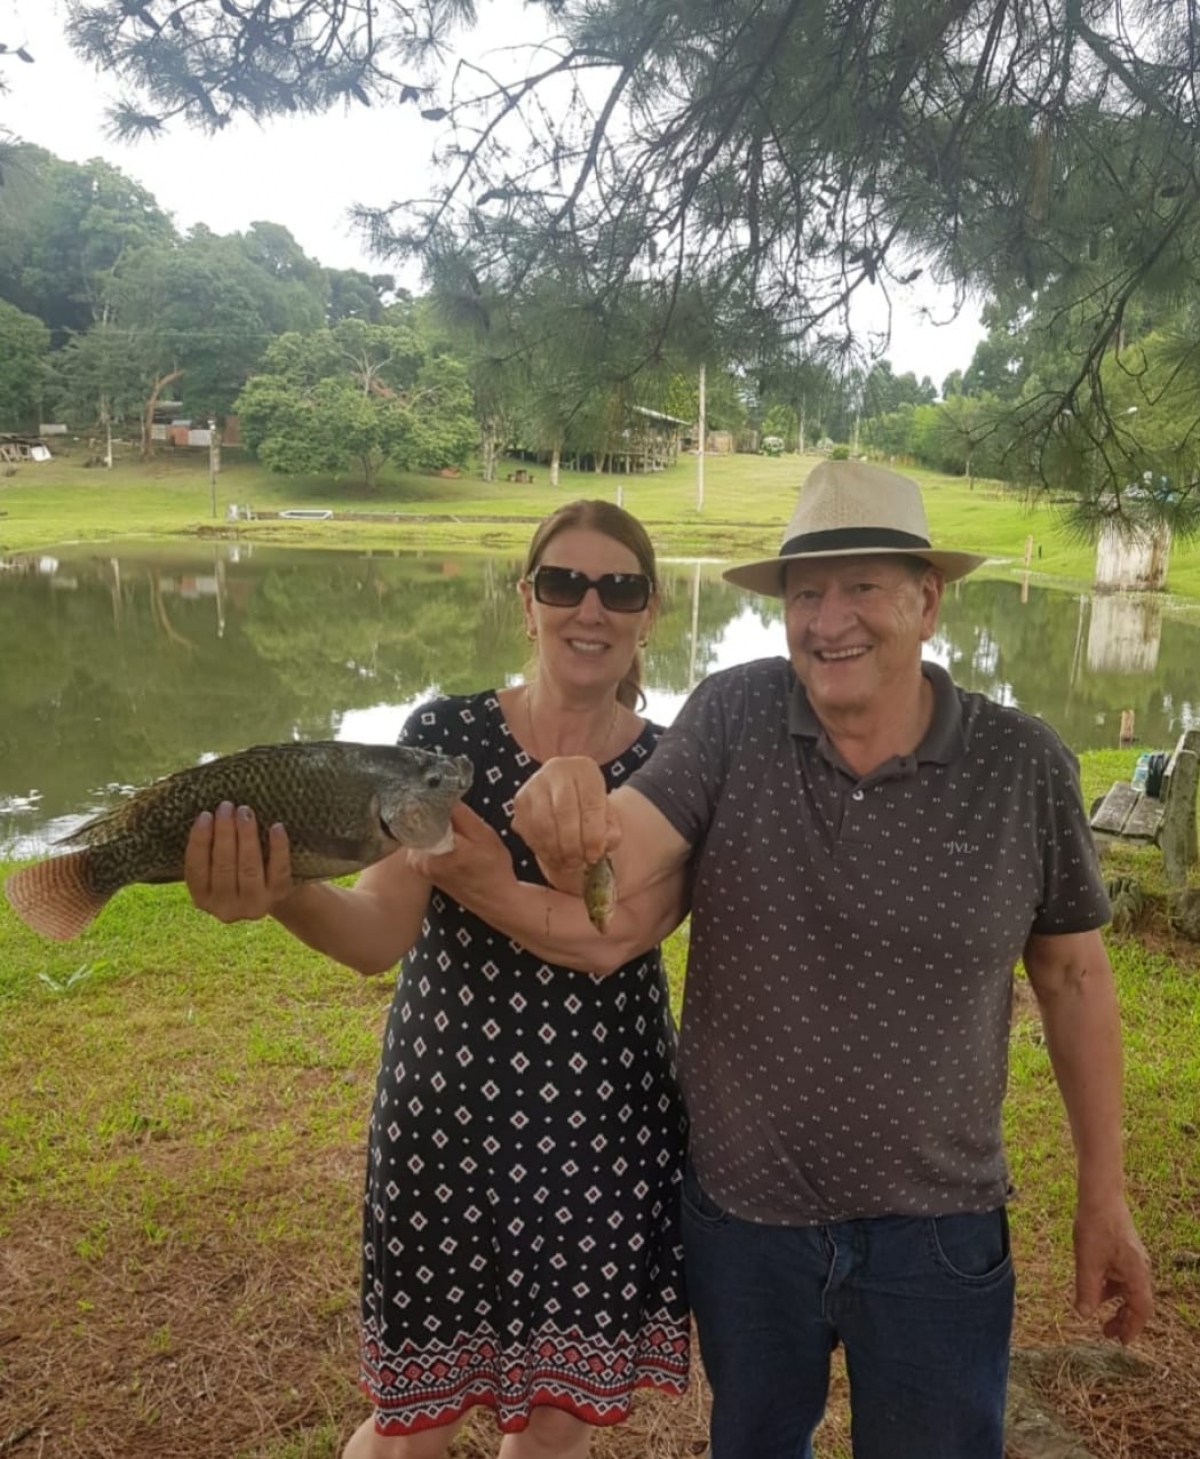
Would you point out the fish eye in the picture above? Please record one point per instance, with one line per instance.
(433, 779)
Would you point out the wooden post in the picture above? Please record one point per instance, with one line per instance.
(1028, 551)
(214, 461)
(695, 626)
(703, 427)
(1177, 836)
(1126, 737)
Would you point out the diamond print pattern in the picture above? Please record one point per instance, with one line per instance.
(511, 1140)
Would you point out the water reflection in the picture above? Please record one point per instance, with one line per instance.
(123, 664)
(1124, 635)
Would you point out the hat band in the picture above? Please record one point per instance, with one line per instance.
(842, 539)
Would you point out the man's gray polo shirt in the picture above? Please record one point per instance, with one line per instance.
(844, 1049)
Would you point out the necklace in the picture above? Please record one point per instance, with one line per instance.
(608, 730)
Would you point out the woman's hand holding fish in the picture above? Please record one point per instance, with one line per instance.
(477, 860)
(224, 870)
(562, 815)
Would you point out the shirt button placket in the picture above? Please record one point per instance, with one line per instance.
(850, 817)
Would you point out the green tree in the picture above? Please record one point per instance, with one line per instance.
(1139, 463)
(189, 328)
(24, 342)
(325, 430)
(97, 381)
(356, 295)
(290, 290)
(554, 370)
(67, 232)
(892, 434)
(821, 387)
(780, 421)
(194, 317)
(359, 394)
(884, 391)
(1000, 366)
(789, 156)
(681, 397)
(964, 425)
(443, 430)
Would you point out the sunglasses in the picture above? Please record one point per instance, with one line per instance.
(563, 587)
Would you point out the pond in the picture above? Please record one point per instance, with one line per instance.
(123, 663)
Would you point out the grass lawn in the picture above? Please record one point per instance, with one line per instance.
(182, 1122)
(183, 1106)
(747, 501)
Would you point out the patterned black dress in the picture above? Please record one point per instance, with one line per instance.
(521, 1232)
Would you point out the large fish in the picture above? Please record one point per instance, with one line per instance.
(344, 807)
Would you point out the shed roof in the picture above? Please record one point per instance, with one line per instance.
(659, 415)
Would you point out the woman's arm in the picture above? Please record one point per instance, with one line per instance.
(368, 927)
(478, 873)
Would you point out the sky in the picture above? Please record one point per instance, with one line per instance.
(307, 173)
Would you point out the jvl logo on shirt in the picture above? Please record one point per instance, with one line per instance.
(960, 848)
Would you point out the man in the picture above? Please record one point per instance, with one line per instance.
(871, 850)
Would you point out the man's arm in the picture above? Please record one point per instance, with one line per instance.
(554, 924)
(566, 818)
(1072, 979)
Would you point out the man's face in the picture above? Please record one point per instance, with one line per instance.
(855, 626)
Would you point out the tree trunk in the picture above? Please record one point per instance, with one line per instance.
(106, 422)
(160, 384)
(555, 455)
(370, 471)
(489, 451)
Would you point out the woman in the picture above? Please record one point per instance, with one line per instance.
(521, 1245)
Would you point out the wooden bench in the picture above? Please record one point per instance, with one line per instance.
(1169, 821)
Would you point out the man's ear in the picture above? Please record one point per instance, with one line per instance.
(933, 587)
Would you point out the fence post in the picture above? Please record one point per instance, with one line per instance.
(1177, 838)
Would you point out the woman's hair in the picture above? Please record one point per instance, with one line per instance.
(614, 522)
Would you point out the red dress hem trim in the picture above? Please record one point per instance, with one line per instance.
(396, 1427)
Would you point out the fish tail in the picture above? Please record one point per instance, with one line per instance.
(55, 897)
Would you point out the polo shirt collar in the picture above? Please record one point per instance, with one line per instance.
(945, 739)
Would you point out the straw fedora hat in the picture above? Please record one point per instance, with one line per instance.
(848, 509)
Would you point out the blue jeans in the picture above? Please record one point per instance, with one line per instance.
(923, 1306)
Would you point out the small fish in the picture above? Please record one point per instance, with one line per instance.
(600, 892)
(344, 807)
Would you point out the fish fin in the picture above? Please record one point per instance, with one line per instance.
(55, 897)
(95, 830)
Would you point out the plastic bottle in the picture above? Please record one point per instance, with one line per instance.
(1141, 772)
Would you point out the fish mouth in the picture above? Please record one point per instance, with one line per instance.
(453, 773)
